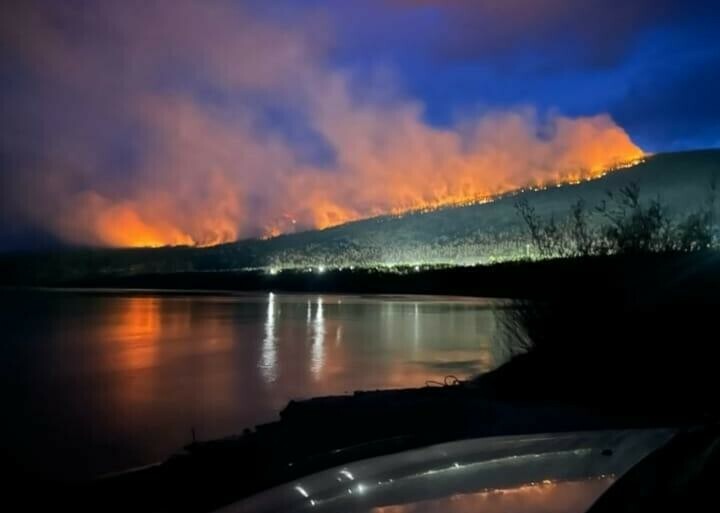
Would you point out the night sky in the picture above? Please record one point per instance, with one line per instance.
(135, 123)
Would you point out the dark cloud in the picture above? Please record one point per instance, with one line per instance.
(674, 107)
(588, 33)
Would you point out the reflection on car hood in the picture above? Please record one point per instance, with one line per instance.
(550, 472)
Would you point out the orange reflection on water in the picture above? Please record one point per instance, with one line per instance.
(135, 325)
(166, 354)
(145, 370)
(558, 497)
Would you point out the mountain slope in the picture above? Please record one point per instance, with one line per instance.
(453, 235)
(480, 232)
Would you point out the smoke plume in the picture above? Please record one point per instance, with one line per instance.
(148, 123)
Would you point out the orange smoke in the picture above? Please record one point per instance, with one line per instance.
(122, 226)
(386, 163)
(395, 163)
(103, 222)
(136, 159)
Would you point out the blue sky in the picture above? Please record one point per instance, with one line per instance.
(653, 65)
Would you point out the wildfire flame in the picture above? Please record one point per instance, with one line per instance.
(584, 149)
(326, 205)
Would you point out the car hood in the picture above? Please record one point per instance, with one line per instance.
(559, 472)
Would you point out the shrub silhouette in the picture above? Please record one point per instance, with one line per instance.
(622, 224)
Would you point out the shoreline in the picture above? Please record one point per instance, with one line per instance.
(641, 276)
(212, 473)
(246, 293)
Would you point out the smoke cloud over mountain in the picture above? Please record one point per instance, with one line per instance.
(145, 123)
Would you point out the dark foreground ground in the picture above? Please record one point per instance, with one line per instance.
(328, 432)
(599, 343)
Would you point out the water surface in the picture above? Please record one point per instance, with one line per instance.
(97, 382)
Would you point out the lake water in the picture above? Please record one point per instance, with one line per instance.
(96, 382)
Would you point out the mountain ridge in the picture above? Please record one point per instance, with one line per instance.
(454, 235)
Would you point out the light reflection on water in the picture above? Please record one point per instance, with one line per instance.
(317, 360)
(120, 380)
(268, 364)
